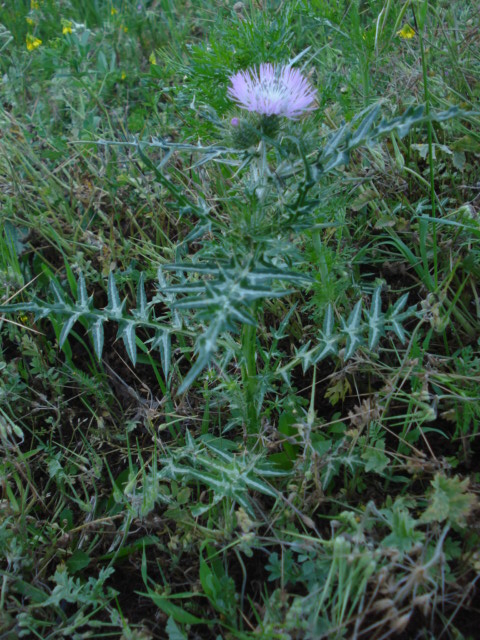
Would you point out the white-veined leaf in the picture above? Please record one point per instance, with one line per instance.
(325, 349)
(83, 299)
(365, 127)
(57, 292)
(67, 327)
(242, 316)
(98, 337)
(141, 300)
(127, 333)
(328, 322)
(375, 319)
(352, 329)
(162, 342)
(397, 327)
(114, 307)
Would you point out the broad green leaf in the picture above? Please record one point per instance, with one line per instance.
(77, 561)
(173, 610)
(174, 632)
(403, 534)
(24, 588)
(449, 500)
(375, 458)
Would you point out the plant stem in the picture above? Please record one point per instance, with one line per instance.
(430, 145)
(320, 251)
(261, 173)
(249, 376)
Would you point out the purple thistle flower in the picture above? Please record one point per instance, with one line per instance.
(273, 91)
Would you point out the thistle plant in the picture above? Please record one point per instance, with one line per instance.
(256, 256)
(269, 92)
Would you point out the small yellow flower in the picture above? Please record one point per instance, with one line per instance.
(406, 32)
(125, 29)
(67, 27)
(123, 76)
(152, 58)
(113, 11)
(30, 21)
(32, 42)
(34, 4)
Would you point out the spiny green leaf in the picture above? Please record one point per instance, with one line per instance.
(328, 323)
(114, 307)
(141, 300)
(162, 342)
(400, 303)
(242, 315)
(209, 269)
(365, 126)
(98, 337)
(67, 327)
(398, 329)
(200, 363)
(375, 319)
(26, 307)
(57, 292)
(353, 330)
(127, 333)
(328, 344)
(83, 299)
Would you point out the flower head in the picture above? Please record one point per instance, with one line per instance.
(32, 42)
(273, 91)
(406, 32)
(66, 27)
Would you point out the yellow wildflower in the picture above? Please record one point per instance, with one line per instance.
(30, 21)
(67, 27)
(406, 32)
(152, 58)
(113, 11)
(124, 75)
(32, 42)
(125, 29)
(34, 4)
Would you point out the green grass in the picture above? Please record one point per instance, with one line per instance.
(240, 367)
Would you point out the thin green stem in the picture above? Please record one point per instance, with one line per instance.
(320, 251)
(430, 145)
(249, 376)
